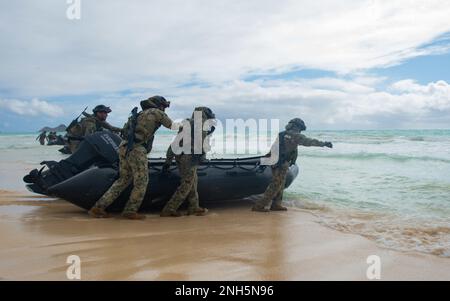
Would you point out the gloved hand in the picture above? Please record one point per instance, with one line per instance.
(328, 144)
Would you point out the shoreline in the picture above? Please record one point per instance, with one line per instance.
(230, 243)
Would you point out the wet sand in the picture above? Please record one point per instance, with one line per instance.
(231, 243)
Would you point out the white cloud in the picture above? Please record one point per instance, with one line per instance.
(33, 107)
(322, 102)
(121, 45)
(159, 47)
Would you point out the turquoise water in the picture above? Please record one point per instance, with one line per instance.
(390, 186)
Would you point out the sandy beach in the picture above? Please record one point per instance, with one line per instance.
(356, 94)
(231, 243)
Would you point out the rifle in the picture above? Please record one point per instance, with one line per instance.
(75, 121)
(131, 130)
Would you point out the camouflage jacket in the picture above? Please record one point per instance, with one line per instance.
(148, 122)
(288, 142)
(90, 125)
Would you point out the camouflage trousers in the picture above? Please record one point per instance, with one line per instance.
(274, 192)
(188, 185)
(132, 169)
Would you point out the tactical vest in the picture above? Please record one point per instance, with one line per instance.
(75, 130)
(288, 149)
(98, 125)
(146, 126)
(79, 129)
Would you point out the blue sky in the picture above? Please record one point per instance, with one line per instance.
(349, 64)
(423, 69)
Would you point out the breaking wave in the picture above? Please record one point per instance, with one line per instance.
(396, 234)
(387, 230)
(374, 156)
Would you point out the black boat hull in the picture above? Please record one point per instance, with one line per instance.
(85, 176)
(217, 182)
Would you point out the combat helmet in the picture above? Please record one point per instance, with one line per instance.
(296, 124)
(155, 102)
(101, 108)
(207, 113)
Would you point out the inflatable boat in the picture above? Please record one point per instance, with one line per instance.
(87, 174)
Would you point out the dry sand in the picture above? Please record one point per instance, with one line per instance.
(231, 243)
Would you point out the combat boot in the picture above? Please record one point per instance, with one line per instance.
(133, 216)
(98, 213)
(278, 207)
(198, 211)
(258, 208)
(170, 213)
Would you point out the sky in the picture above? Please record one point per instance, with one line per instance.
(349, 64)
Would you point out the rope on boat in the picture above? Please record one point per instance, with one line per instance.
(257, 167)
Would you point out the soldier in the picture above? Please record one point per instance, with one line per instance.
(288, 141)
(134, 162)
(89, 125)
(42, 137)
(187, 167)
(51, 138)
(97, 122)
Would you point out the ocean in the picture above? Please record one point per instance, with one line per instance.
(391, 186)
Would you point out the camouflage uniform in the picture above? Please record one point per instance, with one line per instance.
(133, 169)
(276, 187)
(92, 124)
(51, 138)
(187, 190)
(73, 145)
(134, 166)
(87, 126)
(187, 166)
(288, 142)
